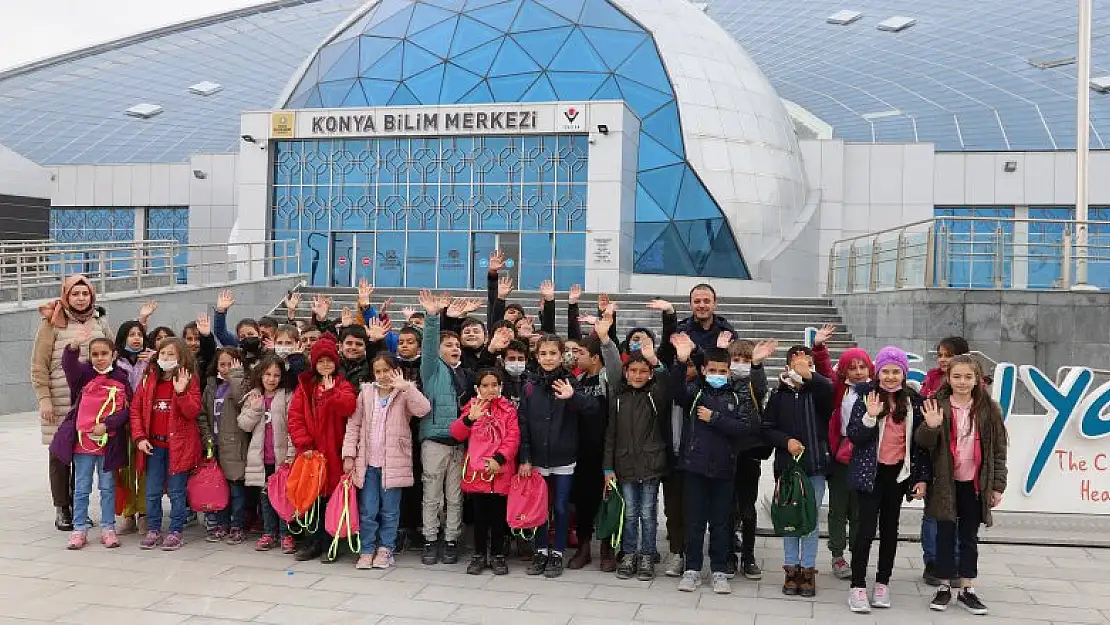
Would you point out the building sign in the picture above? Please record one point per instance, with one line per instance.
(488, 119)
(571, 118)
(602, 250)
(282, 125)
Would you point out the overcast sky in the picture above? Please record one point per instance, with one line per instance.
(35, 29)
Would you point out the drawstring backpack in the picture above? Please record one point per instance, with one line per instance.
(610, 516)
(794, 507)
(207, 488)
(101, 397)
(279, 497)
(304, 487)
(341, 517)
(485, 439)
(526, 508)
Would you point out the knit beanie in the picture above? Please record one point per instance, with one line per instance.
(891, 355)
(325, 346)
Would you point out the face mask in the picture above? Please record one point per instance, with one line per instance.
(167, 365)
(251, 344)
(133, 350)
(717, 381)
(515, 368)
(569, 359)
(283, 350)
(104, 371)
(634, 347)
(740, 369)
(796, 377)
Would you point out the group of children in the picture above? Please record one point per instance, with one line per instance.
(432, 423)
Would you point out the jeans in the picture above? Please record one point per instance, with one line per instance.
(232, 515)
(881, 507)
(272, 524)
(673, 507)
(490, 526)
(928, 539)
(158, 480)
(958, 541)
(558, 496)
(747, 491)
(708, 501)
(802, 550)
(84, 465)
(641, 520)
(843, 511)
(379, 512)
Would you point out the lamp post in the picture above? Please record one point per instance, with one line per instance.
(1082, 144)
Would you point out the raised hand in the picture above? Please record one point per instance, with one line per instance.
(470, 305)
(365, 290)
(225, 300)
(647, 349)
(181, 379)
(407, 312)
(803, 368)
(504, 287)
(268, 343)
(347, 317)
(933, 415)
(824, 334)
(457, 308)
(81, 337)
(590, 320)
(547, 290)
(377, 330)
(874, 404)
(575, 294)
(562, 389)
(764, 350)
(384, 310)
(328, 382)
(445, 300)
(235, 364)
(496, 260)
(723, 339)
(430, 302)
(146, 310)
(477, 409)
(204, 324)
(321, 306)
(602, 301)
(147, 354)
(398, 382)
(292, 300)
(605, 323)
(500, 340)
(683, 346)
(661, 305)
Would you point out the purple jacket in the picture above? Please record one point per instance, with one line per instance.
(134, 371)
(78, 374)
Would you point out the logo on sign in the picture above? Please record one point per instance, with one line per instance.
(572, 118)
(571, 114)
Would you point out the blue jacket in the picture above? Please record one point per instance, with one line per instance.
(438, 386)
(709, 448)
(704, 339)
(865, 440)
(801, 414)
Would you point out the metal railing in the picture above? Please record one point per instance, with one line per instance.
(968, 253)
(32, 270)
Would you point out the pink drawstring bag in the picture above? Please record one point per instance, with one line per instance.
(341, 517)
(207, 490)
(527, 504)
(485, 439)
(276, 491)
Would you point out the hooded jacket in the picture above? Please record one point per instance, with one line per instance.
(400, 408)
(708, 448)
(549, 425)
(225, 435)
(634, 445)
(184, 429)
(318, 420)
(839, 443)
(505, 420)
(801, 413)
(438, 387)
(79, 374)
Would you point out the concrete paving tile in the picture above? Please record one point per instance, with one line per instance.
(438, 576)
(471, 596)
(41, 608)
(306, 597)
(111, 595)
(477, 615)
(518, 582)
(748, 605)
(388, 606)
(582, 607)
(248, 575)
(369, 586)
(107, 615)
(1078, 600)
(674, 614)
(301, 615)
(1046, 612)
(661, 596)
(215, 607)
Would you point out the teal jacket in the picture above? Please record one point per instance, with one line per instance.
(439, 387)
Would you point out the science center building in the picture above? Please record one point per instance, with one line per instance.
(619, 144)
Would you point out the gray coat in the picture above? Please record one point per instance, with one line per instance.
(231, 442)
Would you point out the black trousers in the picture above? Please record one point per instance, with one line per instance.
(674, 506)
(490, 525)
(743, 512)
(61, 483)
(969, 514)
(708, 501)
(412, 498)
(588, 486)
(880, 508)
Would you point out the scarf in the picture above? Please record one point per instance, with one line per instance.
(58, 312)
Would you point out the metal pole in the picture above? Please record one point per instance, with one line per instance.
(1082, 143)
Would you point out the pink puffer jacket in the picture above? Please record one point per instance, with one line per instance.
(402, 407)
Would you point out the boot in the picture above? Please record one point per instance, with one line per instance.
(63, 519)
(608, 557)
(581, 557)
(790, 586)
(807, 582)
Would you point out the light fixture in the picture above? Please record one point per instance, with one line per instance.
(144, 110)
(603, 129)
(200, 174)
(896, 24)
(1010, 167)
(248, 138)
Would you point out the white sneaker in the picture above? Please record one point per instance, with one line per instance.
(721, 585)
(675, 565)
(857, 601)
(880, 597)
(690, 581)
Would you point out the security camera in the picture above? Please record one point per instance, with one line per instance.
(200, 174)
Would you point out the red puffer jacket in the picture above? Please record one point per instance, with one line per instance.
(185, 447)
(503, 420)
(319, 422)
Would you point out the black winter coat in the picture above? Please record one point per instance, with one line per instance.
(709, 448)
(549, 425)
(802, 414)
(752, 390)
(634, 445)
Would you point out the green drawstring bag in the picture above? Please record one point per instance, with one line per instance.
(610, 517)
(794, 507)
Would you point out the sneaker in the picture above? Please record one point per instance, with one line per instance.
(152, 539)
(173, 542)
(109, 539)
(539, 564)
(627, 567)
(970, 602)
(500, 565)
(365, 562)
(750, 569)
(941, 599)
(690, 581)
(450, 552)
(266, 543)
(216, 534)
(880, 596)
(554, 566)
(721, 585)
(77, 540)
(646, 570)
(731, 564)
(236, 536)
(288, 545)
(929, 577)
(841, 569)
(384, 558)
(675, 565)
(477, 565)
(127, 526)
(309, 551)
(857, 601)
(430, 555)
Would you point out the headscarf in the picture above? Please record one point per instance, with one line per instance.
(56, 312)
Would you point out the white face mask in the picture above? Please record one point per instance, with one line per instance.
(515, 368)
(104, 371)
(284, 351)
(740, 369)
(167, 365)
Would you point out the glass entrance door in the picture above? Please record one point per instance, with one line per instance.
(342, 248)
(484, 244)
(363, 258)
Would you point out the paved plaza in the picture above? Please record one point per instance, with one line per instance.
(215, 584)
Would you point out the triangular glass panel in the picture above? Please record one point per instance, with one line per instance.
(457, 82)
(388, 67)
(576, 85)
(725, 259)
(450, 5)
(533, 16)
(577, 55)
(333, 92)
(608, 90)
(313, 99)
(663, 184)
(480, 94)
(499, 16)
(652, 154)
(569, 9)
(300, 93)
(601, 13)
(510, 88)
(646, 208)
(615, 46)
(645, 67)
(479, 59)
(426, 85)
(512, 59)
(331, 55)
(647, 233)
(642, 100)
(542, 45)
(674, 255)
(697, 236)
(403, 97)
(370, 49)
(396, 25)
(437, 39)
(378, 92)
(664, 126)
(355, 97)
(346, 66)
(694, 201)
(425, 15)
(479, 4)
(382, 12)
(417, 59)
(540, 91)
(470, 34)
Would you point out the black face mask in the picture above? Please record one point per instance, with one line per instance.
(251, 344)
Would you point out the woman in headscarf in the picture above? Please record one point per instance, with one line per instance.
(62, 319)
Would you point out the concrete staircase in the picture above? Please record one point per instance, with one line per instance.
(783, 318)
